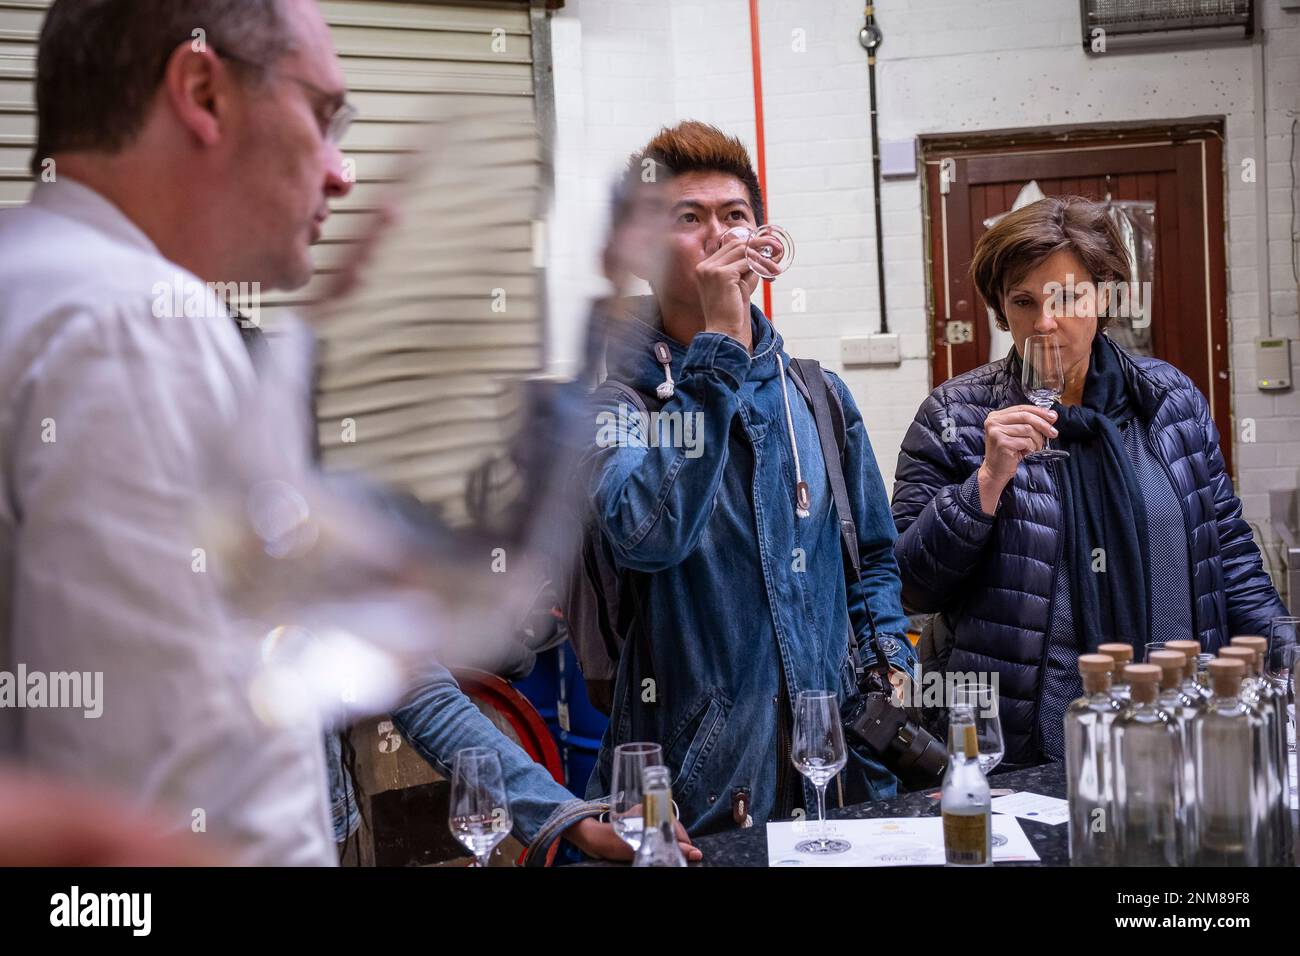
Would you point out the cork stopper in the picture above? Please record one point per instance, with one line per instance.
(970, 743)
(1244, 654)
(1257, 644)
(1189, 649)
(1144, 679)
(1095, 670)
(1225, 676)
(1121, 653)
(1172, 665)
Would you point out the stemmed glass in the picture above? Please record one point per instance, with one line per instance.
(769, 249)
(627, 795)
(1283, 636)
(983, 701)
(1043, 379)
(480, 813)
(819, 754)
(1282, 664)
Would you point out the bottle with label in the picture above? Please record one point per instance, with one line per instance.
(1148, 755)
(1271, 705)
(1180, 696)
(1228, 745)
(1122, 655)
(1088, 771)
(965, 802)
(659, 845)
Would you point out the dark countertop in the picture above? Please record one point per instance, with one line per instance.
(748, 847)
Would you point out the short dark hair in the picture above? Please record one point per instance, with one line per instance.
(694, 146)
(100, 61)
(1020, 240)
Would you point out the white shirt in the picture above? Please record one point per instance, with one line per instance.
(104, 412)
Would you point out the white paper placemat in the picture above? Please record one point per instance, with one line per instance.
(1034, 806)
(888, 841)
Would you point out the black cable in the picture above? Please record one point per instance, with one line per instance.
(871, 37)
(1295, 236)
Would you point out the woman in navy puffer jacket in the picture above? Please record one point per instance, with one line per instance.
(1136, 537)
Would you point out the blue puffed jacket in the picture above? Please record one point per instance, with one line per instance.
(993, 575)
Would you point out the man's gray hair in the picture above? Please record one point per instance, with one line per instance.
(101, 61)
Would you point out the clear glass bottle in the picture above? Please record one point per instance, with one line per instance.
(965, 801)
(659, 845)
(1192, 679)
(1122, 655)
(1203, 674)
(1180, 696)
(1228, 744)
(1251, 694)
(1088, 772)
(1147, 745)
(1272, 706)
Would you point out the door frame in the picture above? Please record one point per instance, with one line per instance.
(1207, 132)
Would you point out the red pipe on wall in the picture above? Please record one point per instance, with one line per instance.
(756, 58)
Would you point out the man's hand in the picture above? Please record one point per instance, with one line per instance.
(599, 840)
(726, 282)
(1009, 435)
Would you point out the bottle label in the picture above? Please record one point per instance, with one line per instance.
(658, 809)
(966, 838)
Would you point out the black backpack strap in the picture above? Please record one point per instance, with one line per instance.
(625, 392)
(631, 623)
(837, 407)
(819, 397)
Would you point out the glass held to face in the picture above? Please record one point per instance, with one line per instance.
(1042, 375)
(769, 249)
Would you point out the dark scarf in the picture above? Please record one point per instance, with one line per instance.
(1102, 507)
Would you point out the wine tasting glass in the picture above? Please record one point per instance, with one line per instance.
(819, 754)
(626, 799)
(1283, 636)
(1283, 659)
(769, 249)
(982, 699)
(480, 813)
(1043, 378)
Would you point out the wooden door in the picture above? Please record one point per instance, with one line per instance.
(1180, 171)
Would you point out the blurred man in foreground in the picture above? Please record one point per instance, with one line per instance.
(181, 144)
(187, 149)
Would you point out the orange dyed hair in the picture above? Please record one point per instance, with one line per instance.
(693, 146)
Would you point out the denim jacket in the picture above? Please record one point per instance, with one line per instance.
(437, 719)
(737, 592)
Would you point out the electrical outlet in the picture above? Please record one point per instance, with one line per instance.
(876, 349)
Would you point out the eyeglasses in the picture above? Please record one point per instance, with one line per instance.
(333, 127)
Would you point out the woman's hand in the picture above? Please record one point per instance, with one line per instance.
(1009, 435)
(599, 840)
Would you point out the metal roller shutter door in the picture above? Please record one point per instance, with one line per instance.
(412, 380)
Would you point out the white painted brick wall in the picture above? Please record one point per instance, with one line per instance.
(625, 67)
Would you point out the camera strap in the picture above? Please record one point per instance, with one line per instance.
(810, 372)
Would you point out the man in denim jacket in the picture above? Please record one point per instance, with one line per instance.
(737, 576)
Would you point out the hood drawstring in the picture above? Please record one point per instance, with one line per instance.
(664, 357)
(665, 389)
(802, 499)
